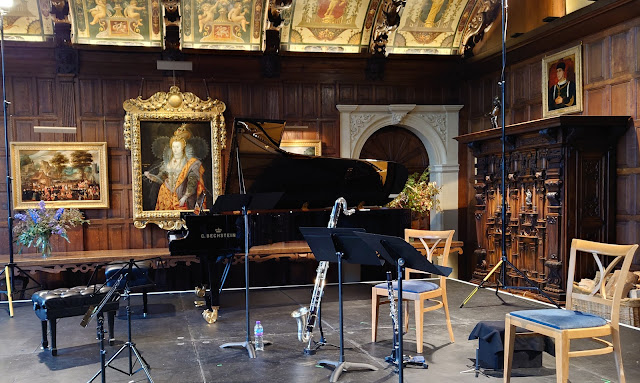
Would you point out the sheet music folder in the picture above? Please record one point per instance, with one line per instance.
(393, 248)
(324, 242)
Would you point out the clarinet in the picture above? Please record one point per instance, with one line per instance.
(394, 319)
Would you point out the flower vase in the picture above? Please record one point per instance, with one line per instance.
(45, 246)
(420, 221)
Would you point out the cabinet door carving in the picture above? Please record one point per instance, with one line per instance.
(560, 185)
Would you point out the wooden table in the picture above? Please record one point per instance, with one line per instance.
(85, 261)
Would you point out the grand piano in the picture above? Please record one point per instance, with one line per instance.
(289, 191)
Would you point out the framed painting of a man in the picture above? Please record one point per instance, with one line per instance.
(63, 174)
(562, 82)
(176, 140)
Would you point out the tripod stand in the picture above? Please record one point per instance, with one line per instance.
(97, 311)
(129, 345)
(8, 270)
(498, 106)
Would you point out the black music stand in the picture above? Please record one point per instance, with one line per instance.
(397, 251)
(242, 202)
(338, 245)
(91, 313)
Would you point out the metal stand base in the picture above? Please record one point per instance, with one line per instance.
(501, 284)
(132, 348)
(128, 345)
(341, 367)
(248, 345)
(476, 367)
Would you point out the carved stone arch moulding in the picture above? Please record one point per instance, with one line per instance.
(176, 141)
(435, 125)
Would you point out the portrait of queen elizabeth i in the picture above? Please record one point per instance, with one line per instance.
(175, 178)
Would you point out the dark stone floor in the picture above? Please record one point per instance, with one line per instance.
(181, 347)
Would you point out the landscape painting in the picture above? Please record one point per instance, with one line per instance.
(63, 174)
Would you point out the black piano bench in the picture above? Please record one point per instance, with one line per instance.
(51, 305)
(138, 281)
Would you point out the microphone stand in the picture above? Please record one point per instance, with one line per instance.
(504, 261)
(11, 266)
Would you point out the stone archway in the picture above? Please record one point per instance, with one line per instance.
(435, 125)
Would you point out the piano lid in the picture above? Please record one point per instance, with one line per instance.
(258, 165)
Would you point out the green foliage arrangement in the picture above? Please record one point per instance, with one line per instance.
(418, 194)
(35, 227)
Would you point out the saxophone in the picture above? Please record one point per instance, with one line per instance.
(306, 317)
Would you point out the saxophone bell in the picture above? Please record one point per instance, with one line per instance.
(300, 315)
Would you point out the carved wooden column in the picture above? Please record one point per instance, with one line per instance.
(560, 185)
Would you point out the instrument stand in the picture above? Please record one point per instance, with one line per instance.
(248, 344)
(322, 341)
(397, 349)
(327, 245)
(397, 251)
(129, 345)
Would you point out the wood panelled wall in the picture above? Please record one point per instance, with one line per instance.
(306, 94)
(611, 68)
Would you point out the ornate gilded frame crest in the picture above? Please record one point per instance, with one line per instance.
(176, 141)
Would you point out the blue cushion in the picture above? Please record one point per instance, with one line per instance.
(411, 286)
(560, 319)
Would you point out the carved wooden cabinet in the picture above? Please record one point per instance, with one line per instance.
(560, 184)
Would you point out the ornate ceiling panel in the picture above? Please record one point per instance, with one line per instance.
(222, 24)
(431, 26)
(117, 22)
(340, 26)
(29, 20)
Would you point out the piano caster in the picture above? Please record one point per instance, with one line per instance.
(211, 316)
(201, 291)
(199, 303)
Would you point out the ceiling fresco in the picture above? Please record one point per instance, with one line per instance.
(29, 20)
(340, 26)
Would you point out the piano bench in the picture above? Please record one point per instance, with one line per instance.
(138, 281)
(51, 305)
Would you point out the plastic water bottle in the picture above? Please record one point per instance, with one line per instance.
(258, 333)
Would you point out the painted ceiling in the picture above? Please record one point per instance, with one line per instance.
(340, 26)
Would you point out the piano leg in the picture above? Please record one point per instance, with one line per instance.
(217, 278)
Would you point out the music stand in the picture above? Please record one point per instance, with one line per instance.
(242, 202)
(338, 245)
(397, 251)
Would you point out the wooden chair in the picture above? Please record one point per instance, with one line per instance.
(417, 291)
(563, 325)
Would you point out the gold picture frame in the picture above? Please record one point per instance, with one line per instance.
(306, 147)
(167, 182)
(565, 97)
(63, 174)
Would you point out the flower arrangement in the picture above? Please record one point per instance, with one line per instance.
(36, 226)
(419, 195)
